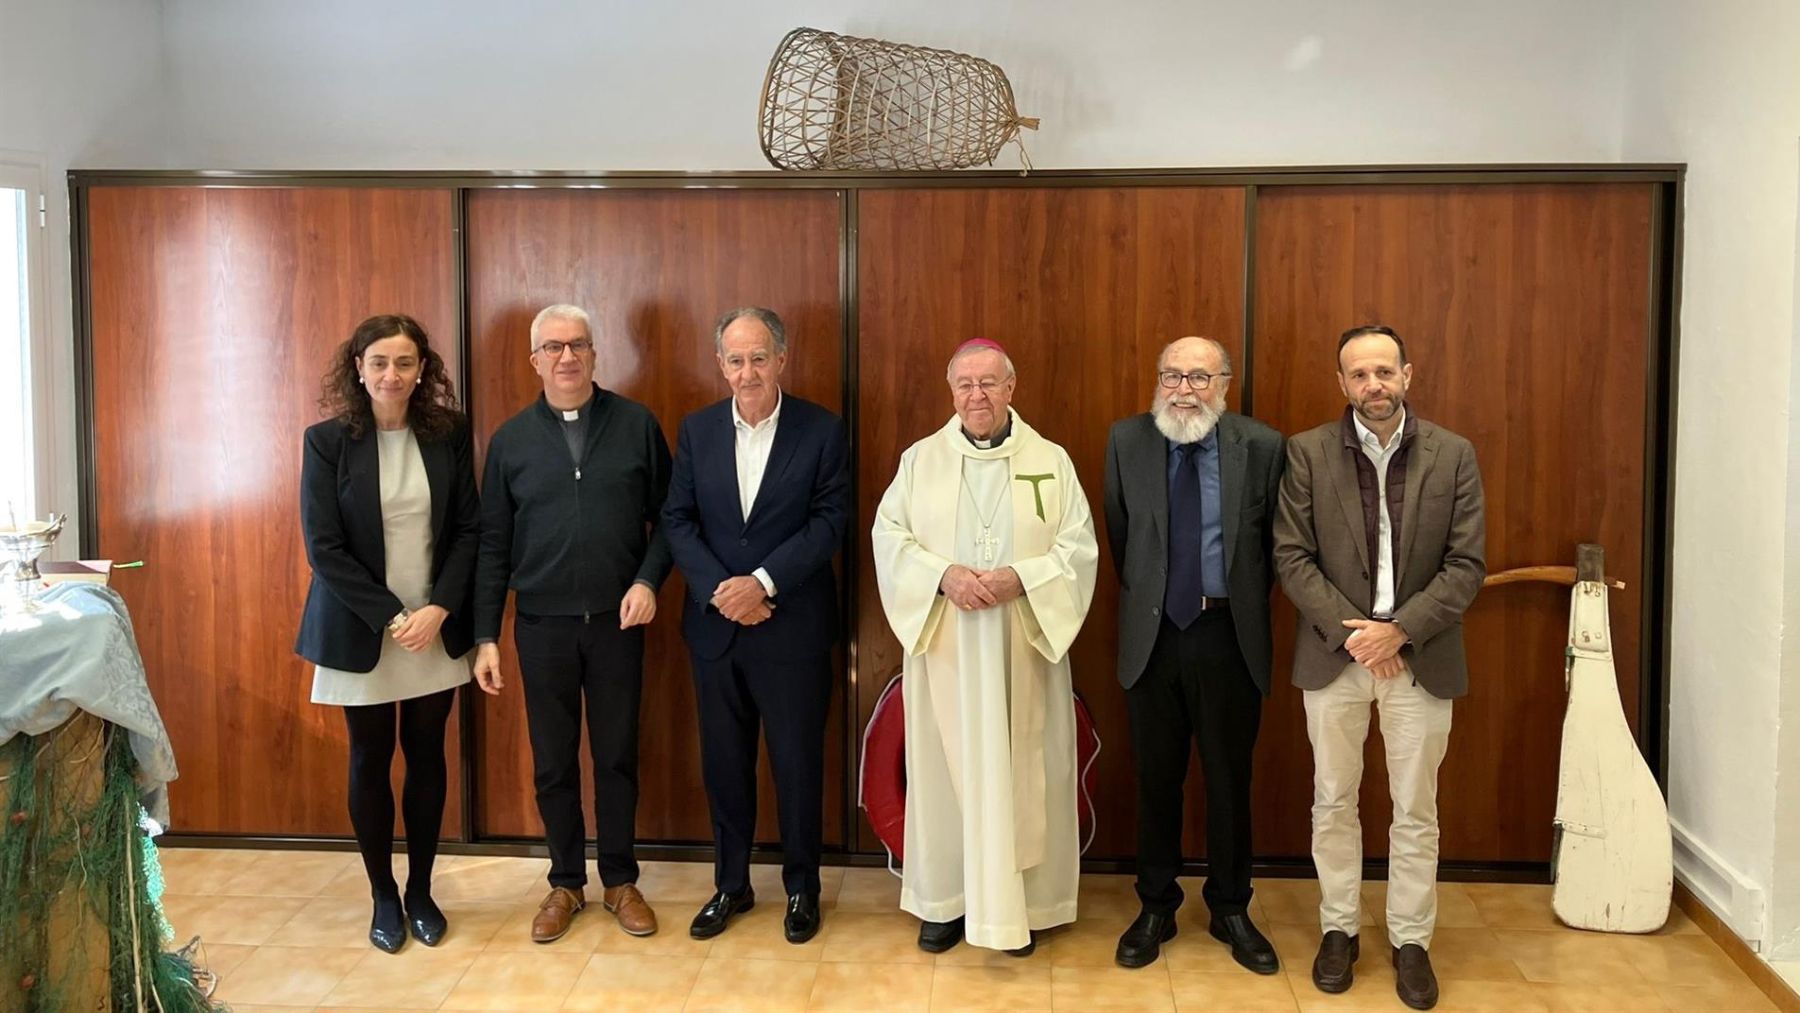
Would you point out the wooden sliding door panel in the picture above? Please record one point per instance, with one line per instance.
(213, 313)
(1525, 309)
(655, 269)
(1083, 287)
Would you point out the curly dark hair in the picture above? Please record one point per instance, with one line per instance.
(432, 409)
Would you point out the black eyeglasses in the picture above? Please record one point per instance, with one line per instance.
(1199, 381)
(554, 349)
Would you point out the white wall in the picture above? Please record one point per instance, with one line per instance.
(80, 84)
(1784, 921)
(1716, 86)
(604, 84)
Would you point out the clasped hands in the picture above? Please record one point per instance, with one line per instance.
(1376, 646)
(970, 590)
(420, 628)
(743, 600)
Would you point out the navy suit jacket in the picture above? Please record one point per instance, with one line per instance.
(795, 526)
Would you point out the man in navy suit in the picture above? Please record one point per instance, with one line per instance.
(756, 509)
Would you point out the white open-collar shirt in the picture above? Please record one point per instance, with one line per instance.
(753, 445)
(1380, 456)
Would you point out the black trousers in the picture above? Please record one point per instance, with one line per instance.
(1196, 685)
(569, 666)
(789, 699)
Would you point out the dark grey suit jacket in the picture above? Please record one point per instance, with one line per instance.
(1323, 556)
(1137, 524)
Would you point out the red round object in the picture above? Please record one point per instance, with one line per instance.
(881, 783)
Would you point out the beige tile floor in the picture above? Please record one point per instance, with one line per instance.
(286, 931)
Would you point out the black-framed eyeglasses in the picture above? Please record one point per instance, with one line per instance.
(554, 349)
(1199, 381)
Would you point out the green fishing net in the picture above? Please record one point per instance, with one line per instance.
(81, 920)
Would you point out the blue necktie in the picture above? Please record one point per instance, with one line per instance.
(1181, 598)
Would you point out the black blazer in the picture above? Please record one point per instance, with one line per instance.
(1251, 462)
(795, 526)
(348, 605)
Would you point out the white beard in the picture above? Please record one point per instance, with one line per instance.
(1184, 429)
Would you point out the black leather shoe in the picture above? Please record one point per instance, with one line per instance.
(1335, 966)
(802, 921)
(712, 918)
(1142, 942)
(1414, 981)
(1027, 950)
(427, 922)
(387, 930)
(1248, 947)
(936, 937)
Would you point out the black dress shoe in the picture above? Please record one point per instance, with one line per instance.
(1142, 942)
(387, 930)
(1027, 950)
(1248, 947)
(427, 922)
(1335, 966)
(1414, 981)
(802, 921)
(712, 918)
(936, 937)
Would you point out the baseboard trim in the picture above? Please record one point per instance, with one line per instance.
(1754, 967)
(683, 851)
(1735, 899)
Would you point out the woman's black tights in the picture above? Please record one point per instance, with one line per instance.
(420, 725)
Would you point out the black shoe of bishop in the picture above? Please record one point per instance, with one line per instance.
(936, 937)
(1142, 942)
(712, 918)
(1248, 947)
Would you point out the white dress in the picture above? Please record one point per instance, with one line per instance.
(399, 674)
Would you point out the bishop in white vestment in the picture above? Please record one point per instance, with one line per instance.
(985, 558)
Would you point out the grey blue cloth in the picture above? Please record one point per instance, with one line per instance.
(78, 652)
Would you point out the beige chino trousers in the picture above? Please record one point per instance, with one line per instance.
(1415, 727)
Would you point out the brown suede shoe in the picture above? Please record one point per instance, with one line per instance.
(630, 908)
(1334, 969)
(1414, 981)
(555, 914)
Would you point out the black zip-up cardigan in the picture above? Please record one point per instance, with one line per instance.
(570, 539)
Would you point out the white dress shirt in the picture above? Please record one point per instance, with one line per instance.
(753, 445)
(1384, 532)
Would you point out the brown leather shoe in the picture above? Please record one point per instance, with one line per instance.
(630, 908)
(555, 914)
(1334, 969)
(1414, 981)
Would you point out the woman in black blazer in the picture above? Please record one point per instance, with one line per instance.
(387, 503)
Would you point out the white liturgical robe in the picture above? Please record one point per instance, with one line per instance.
(991, 823)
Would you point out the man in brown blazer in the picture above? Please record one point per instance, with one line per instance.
(1379, 538)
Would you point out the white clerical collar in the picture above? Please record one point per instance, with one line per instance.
(999, 437)
(1368, 437)
(738, 420)
(574, 414)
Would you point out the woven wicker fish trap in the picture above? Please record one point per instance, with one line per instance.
(837, 102)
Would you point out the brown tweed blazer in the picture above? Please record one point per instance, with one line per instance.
(1321, 554)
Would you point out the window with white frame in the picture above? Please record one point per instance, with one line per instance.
(21, 239)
